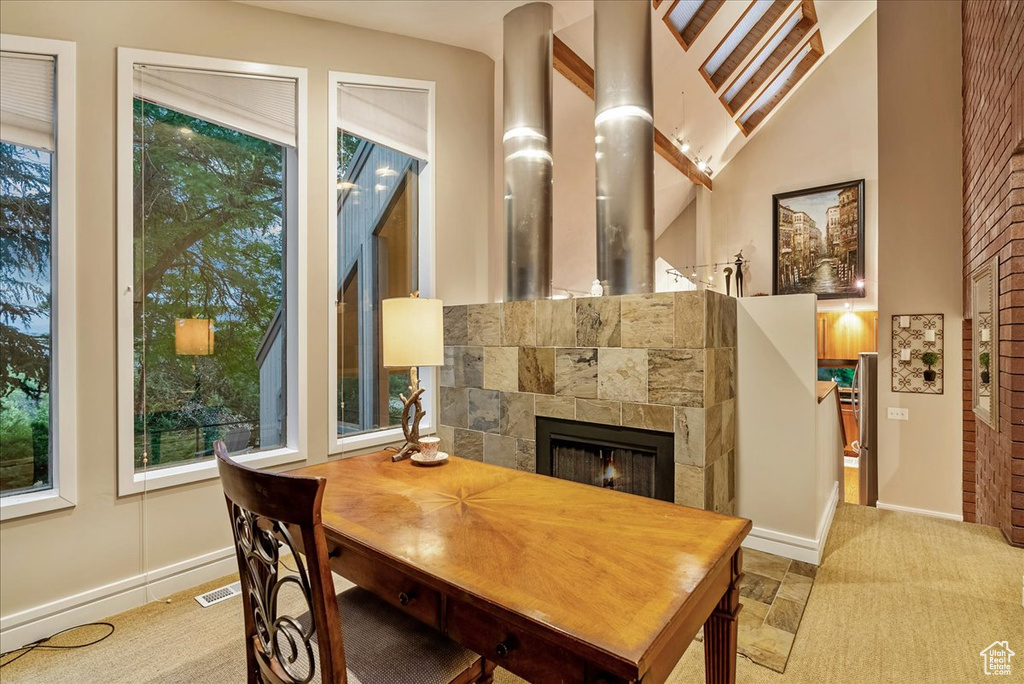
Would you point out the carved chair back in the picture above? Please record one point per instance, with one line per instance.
(266, 509)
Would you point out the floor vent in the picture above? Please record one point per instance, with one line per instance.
(217, 595)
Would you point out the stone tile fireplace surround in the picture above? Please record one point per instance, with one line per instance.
(664, 362)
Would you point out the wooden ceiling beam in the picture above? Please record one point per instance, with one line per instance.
(581, 75)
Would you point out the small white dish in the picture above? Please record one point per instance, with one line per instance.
(418, 458)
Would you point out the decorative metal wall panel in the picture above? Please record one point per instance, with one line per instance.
(912, 336)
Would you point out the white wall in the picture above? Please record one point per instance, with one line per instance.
(828, 455)
(678, 244)
(575, 172)
(106, 544)
(920, 462)
(826, 132)
(783, 477)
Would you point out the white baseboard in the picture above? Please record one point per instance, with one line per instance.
(781, 544)
(825, 522)
(18, 629)
(919, 511)
(791, 546)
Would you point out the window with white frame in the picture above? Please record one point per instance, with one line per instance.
(382, 244)
(209, 247)
(37, 246)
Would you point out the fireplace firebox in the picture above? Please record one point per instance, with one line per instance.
(624, 459)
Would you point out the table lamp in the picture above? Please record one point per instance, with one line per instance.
(412, 336)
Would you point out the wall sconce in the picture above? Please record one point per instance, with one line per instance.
(905, 355)
(929, 335)
(986, 335)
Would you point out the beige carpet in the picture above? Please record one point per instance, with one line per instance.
(898, 598)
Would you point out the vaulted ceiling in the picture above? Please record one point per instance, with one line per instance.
(722, 68)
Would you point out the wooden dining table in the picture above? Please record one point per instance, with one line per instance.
(552, 580)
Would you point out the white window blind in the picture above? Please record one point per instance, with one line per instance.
(763, 56)
(683, 12)
(27, 99)
(398, 118)
(777, 84)
(263, 106)
(737, 34)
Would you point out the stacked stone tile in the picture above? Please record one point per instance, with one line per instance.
(664, 362)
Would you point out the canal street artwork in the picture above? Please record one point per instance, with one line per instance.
(819, 241)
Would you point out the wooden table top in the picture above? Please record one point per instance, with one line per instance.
(605, 568)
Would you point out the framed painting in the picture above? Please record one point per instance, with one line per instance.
(818, 241)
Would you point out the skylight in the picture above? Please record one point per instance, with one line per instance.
(687, 18)
(683, 12)
(788, 78)
(777, 84)
(762, 56)
(738, 33)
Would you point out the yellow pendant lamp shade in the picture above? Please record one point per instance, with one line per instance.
(193, 337)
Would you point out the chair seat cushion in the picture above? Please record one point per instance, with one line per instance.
(383, 645)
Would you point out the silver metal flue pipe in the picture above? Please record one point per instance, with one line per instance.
(624, 124)
(527, 148)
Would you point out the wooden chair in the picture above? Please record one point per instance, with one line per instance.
(293, 632)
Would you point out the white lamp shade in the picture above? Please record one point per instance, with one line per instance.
(413, 332)
(193, 337)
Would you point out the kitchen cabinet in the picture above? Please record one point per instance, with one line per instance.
(845, 334)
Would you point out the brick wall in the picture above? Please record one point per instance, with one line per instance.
(993, 176)
(970, 462)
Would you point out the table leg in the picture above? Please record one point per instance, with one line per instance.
(720, 630)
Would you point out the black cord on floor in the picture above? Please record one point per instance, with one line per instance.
(41, 644)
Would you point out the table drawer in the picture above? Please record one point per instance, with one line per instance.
(531, 657)
(393, 586)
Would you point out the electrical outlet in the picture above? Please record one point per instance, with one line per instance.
(898, 413)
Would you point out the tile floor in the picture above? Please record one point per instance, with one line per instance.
(774, 592)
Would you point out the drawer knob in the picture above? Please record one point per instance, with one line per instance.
(405, 598)
(505, 647)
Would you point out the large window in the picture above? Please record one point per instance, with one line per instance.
(382, 244)
(213, 231)
(37, 436)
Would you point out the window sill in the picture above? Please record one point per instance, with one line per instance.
(379, 438)
(206, 470)
(32, 503)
